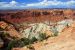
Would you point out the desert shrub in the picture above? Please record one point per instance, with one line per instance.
(42, 36)
(10, 45)
(20, 43)
(25, 41)
(56, 33)
(54, 30)
(33, 40)
(30, 47)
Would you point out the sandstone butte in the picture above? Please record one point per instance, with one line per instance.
(65, 41)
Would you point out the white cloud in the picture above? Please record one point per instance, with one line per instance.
(10, 4)
(13, 3)
(72, 2)
(54, 2)
(44, 3)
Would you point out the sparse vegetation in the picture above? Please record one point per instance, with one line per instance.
(56, 33)
(54, 30)
(20, 43)
(42, 36)
(25, 41)
(33, 40)
(30, 47)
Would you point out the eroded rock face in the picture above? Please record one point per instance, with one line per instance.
(64, 28)
(9, 28)
(49, 28)
(7, 34)
(36, 29)
(65, 41)
(38, 15)
(3, 24)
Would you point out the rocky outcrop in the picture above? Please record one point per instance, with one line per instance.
(53, 23)
(49, 28)
(7, 34)
(9, 28)
(35, 29)
(65, 41)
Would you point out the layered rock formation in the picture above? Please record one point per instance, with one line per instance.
(38, 15)
(65, 41)
(57, 24)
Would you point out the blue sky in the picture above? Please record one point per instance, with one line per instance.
(24, 4)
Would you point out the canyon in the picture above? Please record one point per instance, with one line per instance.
(38, 29)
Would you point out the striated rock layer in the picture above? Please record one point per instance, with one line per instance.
(65, 41)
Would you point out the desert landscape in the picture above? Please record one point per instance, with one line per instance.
(37, 29)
